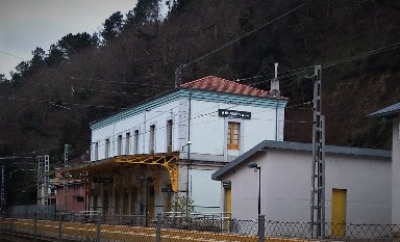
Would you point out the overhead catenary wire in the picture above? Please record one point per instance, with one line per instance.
(9, 54)
(59, 103)
(248, 33)
(362, 55)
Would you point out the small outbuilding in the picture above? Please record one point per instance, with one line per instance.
(392, 114)
(357, 183)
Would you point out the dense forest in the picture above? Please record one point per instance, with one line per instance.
(50, 100)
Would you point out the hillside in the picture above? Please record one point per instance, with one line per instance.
(52, 99)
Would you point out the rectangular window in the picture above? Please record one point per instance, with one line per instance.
(233, 136)
(79, 199)
(169, 136)
(152, 136)
(119, 148)
(107, 148)
(136, 137)
(96, 151)
(127, 143)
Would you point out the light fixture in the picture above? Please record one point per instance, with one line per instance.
(257, 167)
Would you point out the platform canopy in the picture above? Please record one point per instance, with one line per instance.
(169, 161)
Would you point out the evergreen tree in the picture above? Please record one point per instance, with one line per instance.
(145, 12)
(38, 59)
(3, 78)
(56, 55)
(71, 44)
(112, 26)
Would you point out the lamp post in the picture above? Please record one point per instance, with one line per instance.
(147, 180)
(256, 167)
(26, 203)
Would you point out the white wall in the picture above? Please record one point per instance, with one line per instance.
(208, 136)
(204, 191)
(286, 186)
(142, 122)
(208, 131)
(396, 172)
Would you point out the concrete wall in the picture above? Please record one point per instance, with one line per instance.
(286, 185)
(141, 122)
(204, 192)
(396, 172)
(207, 132)
(73, 203)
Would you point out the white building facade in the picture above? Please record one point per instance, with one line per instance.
(206, 123)
(392, 113)
(357, 184)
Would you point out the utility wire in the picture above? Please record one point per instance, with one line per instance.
(362, 55)
(224, 18)
(14, 98)
(157, 51)
(249, 33)
(12, 55)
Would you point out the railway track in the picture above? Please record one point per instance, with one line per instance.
(8, 236)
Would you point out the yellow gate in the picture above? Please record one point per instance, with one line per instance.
(339, 212)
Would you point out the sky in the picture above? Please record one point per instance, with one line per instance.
(27, 24)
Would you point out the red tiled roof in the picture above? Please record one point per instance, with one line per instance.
(217, 84)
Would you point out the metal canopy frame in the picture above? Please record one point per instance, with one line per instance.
(169, 161)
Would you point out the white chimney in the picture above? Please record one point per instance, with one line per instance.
(275, 84)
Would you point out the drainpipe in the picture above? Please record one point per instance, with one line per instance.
(276, 120)
(189, 117)
(188, 154)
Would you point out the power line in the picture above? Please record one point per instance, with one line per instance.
(78, 88)
(249, 33)
(59, 103)
(4, 52)
(224, 18)
(156, 51)
(362, 55)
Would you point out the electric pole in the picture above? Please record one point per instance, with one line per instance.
(65, 183)
(317, 207)
(2, 195)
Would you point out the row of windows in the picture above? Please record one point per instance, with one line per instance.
(136, 142)
(233, 140)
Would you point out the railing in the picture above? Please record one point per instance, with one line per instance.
(93, 226)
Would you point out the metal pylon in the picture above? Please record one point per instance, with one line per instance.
(317, 207)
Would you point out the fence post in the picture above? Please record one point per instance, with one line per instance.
(158, 228)
(1, 227)
(59, 227)
(35, 226)
(98, 227)
(12, 229)
(261, 228)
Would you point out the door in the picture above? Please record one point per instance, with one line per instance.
(339, 197)
(228, 208)
(228, 201)
(150, 204)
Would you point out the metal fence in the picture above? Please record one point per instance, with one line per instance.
(91, 226)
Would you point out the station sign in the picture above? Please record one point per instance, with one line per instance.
(102, 180)
(226, 184)
(234, 114)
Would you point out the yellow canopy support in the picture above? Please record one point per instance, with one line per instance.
(169, 161)
(166, 160)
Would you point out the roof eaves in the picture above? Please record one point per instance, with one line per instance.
(238, 94)
(236, 162)
(296, 146)
(136, 105)
(390, 111)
